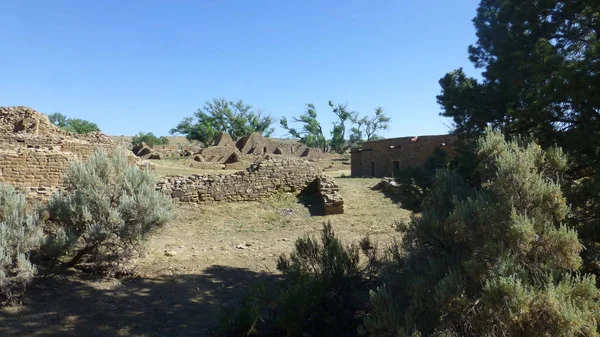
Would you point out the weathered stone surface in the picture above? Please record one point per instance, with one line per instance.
(219, 154)
(198, 158)
(261, 179)
(329, 191)
(34, 153)
(138, 147)
(234, 158)
(144, 152)
(224, 139)
(252, 144)
(381, 158)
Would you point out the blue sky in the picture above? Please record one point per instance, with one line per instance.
(135, 66)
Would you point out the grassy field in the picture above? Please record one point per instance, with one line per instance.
(194, 267)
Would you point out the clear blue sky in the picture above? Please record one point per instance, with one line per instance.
(135, 66)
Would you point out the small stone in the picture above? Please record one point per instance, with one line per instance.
(285, 239)
(170, 253)
(240, 246)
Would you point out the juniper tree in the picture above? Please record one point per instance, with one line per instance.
(491, 261)
(539, 75)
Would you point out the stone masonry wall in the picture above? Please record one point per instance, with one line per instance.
(41, 161)
(33, 168)
(381, 158)
(260, 180)
(328, 190)
(34, 153)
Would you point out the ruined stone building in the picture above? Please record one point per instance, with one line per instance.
(381, 158)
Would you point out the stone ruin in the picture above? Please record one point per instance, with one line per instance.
(35, 153)
(270, 175)
(227, 151)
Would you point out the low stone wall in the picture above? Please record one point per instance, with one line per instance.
(330, 195)
(257, 181)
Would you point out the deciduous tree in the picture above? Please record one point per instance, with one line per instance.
(220, 115)
(75, 125)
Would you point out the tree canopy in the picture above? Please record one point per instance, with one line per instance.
(366, 128)
(362, 128)
(75, 125)
(540, 77)
(220, 115)
(149, 138)
(311, 133)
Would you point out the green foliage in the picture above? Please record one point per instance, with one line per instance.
(243, 321)
(107, 211)
(496, 260)
(311, 133)
(323, 288)
(539, 62)
(21, 234)
(367, 127)
(149, 138)
(338, 141)
(415, 182)
(236, 118)
(323, 280)
(74, 125)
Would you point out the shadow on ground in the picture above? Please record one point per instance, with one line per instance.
(177, 305)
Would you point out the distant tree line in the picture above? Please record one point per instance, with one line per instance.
(75, 125)
(239, 119)
(149, 138)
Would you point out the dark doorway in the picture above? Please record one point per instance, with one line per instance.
(395, 167)
(373, 168)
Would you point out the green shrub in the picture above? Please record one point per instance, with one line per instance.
(107, 211)
(149, 138)
(415, 183)
(323, 289)
(493, 260)
(21, 234)
(243, 321)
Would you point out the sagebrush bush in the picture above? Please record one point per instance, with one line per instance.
(491, 260)
(324, 287)
(21, 234)
(107, 210)
(416, 182)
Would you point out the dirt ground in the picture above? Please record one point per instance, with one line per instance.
(195, 267)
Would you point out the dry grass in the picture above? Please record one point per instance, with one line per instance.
(181, 166)
(196, 265)
(270, 226)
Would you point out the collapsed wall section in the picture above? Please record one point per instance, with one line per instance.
(328, 191)
(260, 180)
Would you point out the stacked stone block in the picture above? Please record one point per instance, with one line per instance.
(258, 181)
(330, 195)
